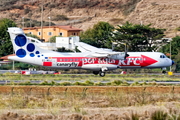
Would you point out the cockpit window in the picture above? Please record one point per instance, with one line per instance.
(162, 56)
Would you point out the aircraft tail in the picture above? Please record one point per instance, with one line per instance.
(22, 46)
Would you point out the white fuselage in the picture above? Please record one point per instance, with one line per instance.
(79, 61)
(92, 59)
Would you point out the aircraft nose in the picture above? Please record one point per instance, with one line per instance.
(173, 62)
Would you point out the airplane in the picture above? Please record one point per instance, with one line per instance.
(97, 60)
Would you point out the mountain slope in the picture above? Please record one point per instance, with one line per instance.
(161, 14)
(85, 13)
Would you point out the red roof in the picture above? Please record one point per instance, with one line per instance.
(69, 28)
(65, 27)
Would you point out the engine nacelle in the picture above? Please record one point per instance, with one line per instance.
(119, 56)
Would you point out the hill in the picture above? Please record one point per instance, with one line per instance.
(85, 13)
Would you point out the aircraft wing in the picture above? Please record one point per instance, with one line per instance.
(83, 47)
(99, 52)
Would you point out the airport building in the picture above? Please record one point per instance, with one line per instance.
(46, 32)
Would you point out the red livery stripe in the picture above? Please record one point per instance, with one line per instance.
(47, 63)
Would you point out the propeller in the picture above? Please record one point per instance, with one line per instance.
(126, 50)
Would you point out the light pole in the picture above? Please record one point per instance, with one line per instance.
(42, 20)
(49, 21)
(23, 22)
(30, 23)
(113, 44)
(170, 53)
(13, 61)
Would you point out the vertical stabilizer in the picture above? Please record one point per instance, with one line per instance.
(22, 46)
(13, 32)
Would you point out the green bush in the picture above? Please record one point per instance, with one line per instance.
(65, 84)
(116, 82)
(60, 17)
(89, 83)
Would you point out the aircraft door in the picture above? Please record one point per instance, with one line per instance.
(54, 62)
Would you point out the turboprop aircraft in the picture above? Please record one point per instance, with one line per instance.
(134, 60)
(99, 62)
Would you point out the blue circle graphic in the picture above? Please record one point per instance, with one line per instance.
(21, 53)
(30, 47)
(37, 52)
(20, 40)
(32, 55)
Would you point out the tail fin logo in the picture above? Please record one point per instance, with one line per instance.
(20, 40)
(25, 47)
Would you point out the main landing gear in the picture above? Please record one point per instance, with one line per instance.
(101, 73)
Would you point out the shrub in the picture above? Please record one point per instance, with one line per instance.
(159, 115)
(60, 17)
(87, 82)
(26, 10)
(116, 82)
(65, 83)
(134, 116)
(52, 5)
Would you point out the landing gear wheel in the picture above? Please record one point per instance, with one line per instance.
(95, 72)
(102, 74)
(164, 72)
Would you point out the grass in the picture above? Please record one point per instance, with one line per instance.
(124, 104)
(159, 115)
(87, 79)
(76, 77)
(84, 95)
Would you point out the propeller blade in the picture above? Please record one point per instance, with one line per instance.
(126, 51)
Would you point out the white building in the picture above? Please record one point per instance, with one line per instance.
(66, 42)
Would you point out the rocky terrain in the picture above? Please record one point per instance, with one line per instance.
(161, 14)
(85, 13)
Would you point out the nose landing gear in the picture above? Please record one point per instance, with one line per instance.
(164, 70)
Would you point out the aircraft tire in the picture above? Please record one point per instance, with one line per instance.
(95, 72)
(102, 74)
(164, 72)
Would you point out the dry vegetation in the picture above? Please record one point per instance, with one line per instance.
(86, 13)
(89, 103)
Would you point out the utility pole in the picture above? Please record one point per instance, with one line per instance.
(23, 22)
(42, 19)
(170, 53)
(49, 21)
